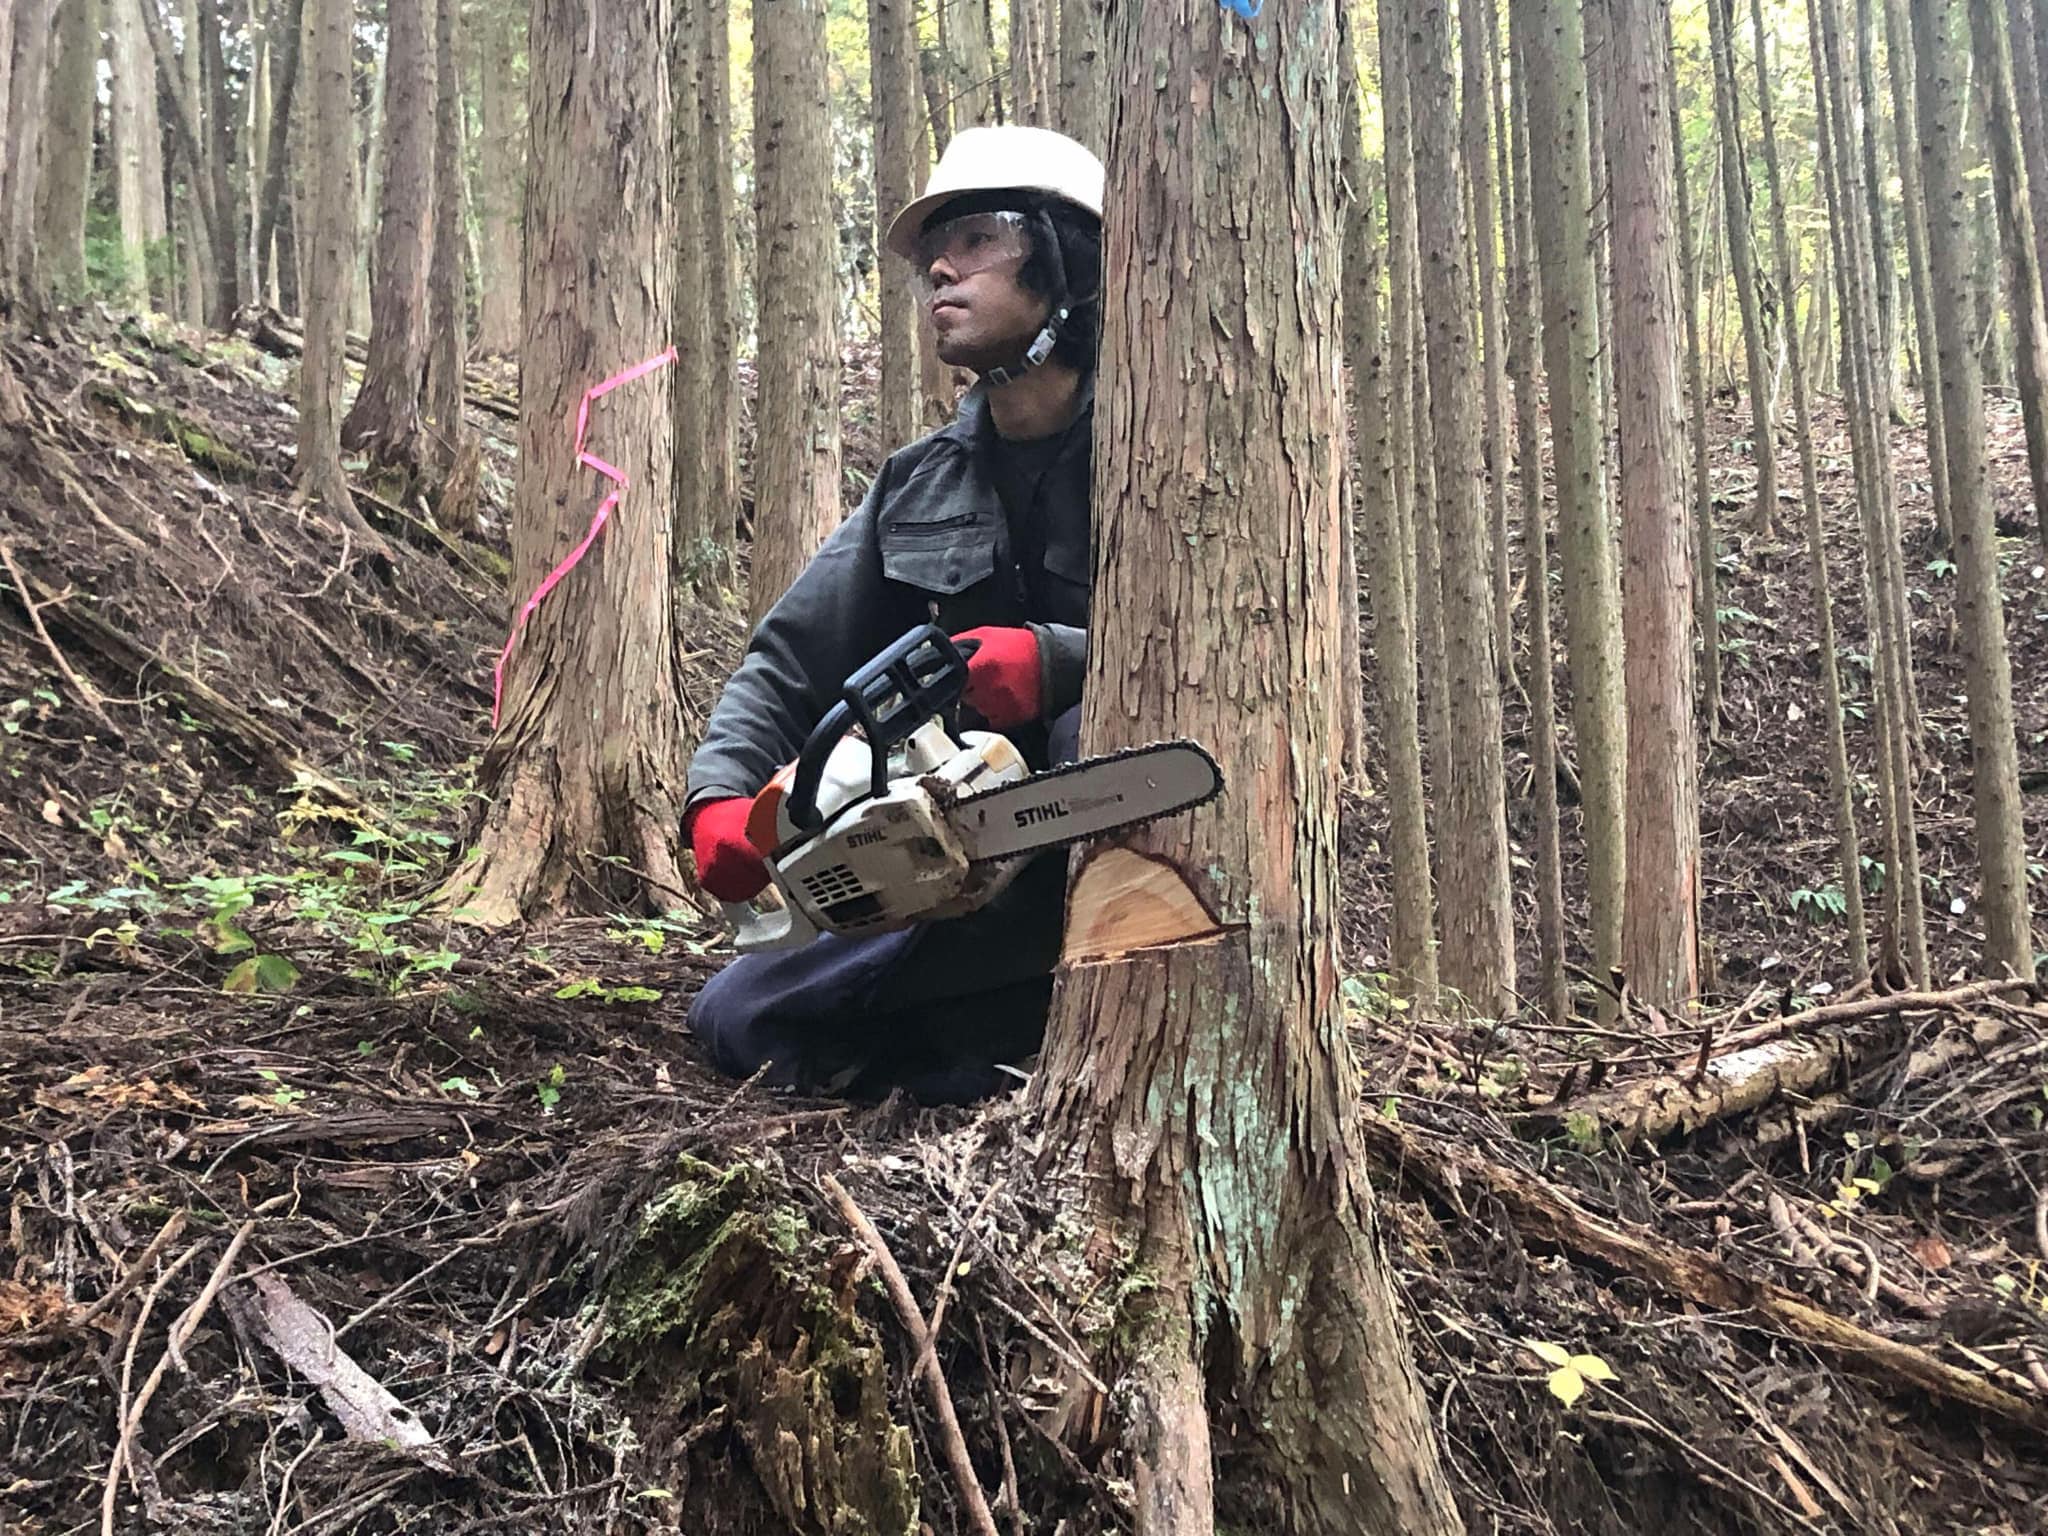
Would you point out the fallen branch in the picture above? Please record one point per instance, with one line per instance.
(1688, 1274)
(34, 609)
(1761, 1064)
(306, 1341)
(950, 1438)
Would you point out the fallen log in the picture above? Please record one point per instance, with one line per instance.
(1686, 1274)
(1795, 1054)
(271, 333)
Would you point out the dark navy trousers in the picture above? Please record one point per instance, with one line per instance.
(936, 1010)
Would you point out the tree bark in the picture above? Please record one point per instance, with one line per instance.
(1994, 65)
(385, 418)
(1869, 416)
(586, 769)
(1027, 62)
(1705, 578)
(1226, 1145)
(2021, 21)
(501, 172)
(1480, 153)
(970, 51)
(1898, 30)
(1478, 964)
(448, 288)
(221, 149)
(1411, 937)
(1084, 74)
(698, 570)
(1553, 54)
(1841, 801)
(1524, 364)
(135, 144)
(23, 295)
(796, 477)
(330, 252)
(1660, 927)
(284, 91)
(721, 299)
(67, 149)
(1980, 616)
(892, 52)
(1735, 200)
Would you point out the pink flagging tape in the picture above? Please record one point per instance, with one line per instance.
(603, 514)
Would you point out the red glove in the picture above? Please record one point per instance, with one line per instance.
(727, 864)
(1003, 676)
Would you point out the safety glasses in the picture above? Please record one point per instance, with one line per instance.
(971, 243)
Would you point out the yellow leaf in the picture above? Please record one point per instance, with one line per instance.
(1567, 1385)
(1550, 1354)
(1593, 1368)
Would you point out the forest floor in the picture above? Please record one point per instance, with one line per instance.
(561, 1277)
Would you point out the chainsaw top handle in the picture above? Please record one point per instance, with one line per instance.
(921, 675)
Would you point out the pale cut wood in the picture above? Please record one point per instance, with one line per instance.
(1124, 900)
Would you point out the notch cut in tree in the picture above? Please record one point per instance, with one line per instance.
(1204, 1086)
(586, 770)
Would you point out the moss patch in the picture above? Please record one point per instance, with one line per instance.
(723, 1300)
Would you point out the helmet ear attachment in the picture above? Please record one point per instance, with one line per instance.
(1035, 355)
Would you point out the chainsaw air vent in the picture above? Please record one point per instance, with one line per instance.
(832, 884)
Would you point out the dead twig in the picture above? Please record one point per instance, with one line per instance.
(34, 609)
(951, 1441)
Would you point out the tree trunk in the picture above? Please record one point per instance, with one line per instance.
(1084, 74)
(1840, 786)
(1552, 51)
(330, 251)
(1027, 62)
(1411, 936)
(1898, 29)
(67, 149)
(1706, 579)
(721, 298)
(1869, 415)
(2021, 21)
(796, 467)
(23, 296)
(135, 144)
(1993, 58)
(1227, 1150)
(1735, 199)
(1660, 927)
(586, 769)
(1886, 291)
(448, 289)
(892, 52)
(1476, 56)
(1478, 964)
(501, 172)
(286, 25)
(698, 571)
(1524, 363)
(934, 76)
(221, 144)
(385, 419)
(1980, 616)
(970, 50)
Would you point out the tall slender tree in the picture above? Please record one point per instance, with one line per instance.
(274, 275)
(892, 75)
(1227, 1152)
(1705, 578)
(585, 771)
(796, 473)
(1941, 71)
(698, 571)
(2022, 23)
(1735, 200)
(1475, 51)
(969, 41)
(1083, 105)
(23, 294)
(136, 146)
(385, 418)
(67, 148)
(447, 285)
(1478, 963)
(330, 253)
(1411, 938)
(1660, 924)
(716, 196)
(1551, 47)
(501, 174)
(1841, 802)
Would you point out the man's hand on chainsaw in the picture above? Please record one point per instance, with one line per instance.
(1004, 676)
(728, 866)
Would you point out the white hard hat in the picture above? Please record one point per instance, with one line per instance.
(998, 160)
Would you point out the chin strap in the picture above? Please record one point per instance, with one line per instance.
(1062, 306)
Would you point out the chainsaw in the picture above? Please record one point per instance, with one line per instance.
(891, 815)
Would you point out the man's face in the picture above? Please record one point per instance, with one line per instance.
(967, 275)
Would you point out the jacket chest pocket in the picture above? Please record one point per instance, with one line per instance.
(942, 561)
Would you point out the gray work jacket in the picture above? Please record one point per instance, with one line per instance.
(930, 544)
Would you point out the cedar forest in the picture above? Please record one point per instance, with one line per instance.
(1606, 1089)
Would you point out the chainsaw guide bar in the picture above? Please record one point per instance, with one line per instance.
(1114, 793)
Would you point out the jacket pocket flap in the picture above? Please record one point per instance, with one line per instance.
(944, 569)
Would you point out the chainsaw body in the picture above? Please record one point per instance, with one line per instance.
(891, 816)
